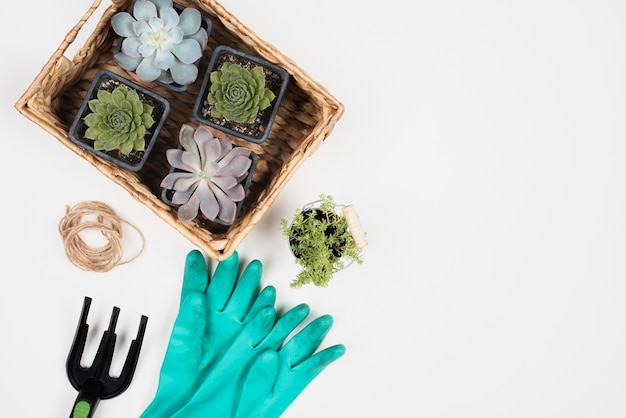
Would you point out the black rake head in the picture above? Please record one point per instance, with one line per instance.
(94, 383)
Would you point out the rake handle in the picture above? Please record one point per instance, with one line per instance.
(87, 400)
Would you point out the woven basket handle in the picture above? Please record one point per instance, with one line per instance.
(45, 84)
(73, 33)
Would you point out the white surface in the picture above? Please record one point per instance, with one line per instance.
(489, 178)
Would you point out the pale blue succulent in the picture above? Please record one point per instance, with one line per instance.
(158, 43)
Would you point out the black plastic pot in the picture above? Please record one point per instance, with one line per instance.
(276, 80)
(206, 24)
(106, 79)
(166, 194)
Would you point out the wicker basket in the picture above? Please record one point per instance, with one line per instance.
(306, 117)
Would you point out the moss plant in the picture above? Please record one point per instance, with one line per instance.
(321, 242)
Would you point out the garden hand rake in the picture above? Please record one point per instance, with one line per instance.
(95, 383)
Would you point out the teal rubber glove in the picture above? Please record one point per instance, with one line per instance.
(277, 377)
(211, 315)
(218, 396)
(227, 355)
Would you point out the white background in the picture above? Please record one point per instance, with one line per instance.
(483, 147)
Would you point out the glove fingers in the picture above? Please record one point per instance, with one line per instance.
(285, 325)
(222, 283)
(318, 362)
(245, 290)
(258, 384)
(290, 382)
(233, 358)
(305, 342)
(195, 277)
(266, 298)
(226, 376)
(256, 330)
(293, 381)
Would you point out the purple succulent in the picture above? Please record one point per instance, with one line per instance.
(208, 175)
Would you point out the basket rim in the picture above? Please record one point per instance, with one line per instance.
(36, 104)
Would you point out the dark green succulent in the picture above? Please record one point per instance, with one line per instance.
(238, 94)
(118, 120)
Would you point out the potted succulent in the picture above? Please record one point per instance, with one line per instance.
(119, 120)
(161, 41)
(324, 238)
(209, 176)
(240, 94)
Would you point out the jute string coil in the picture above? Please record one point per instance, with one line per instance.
(80, 218)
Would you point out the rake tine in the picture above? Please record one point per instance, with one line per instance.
(75, 372)
(115, 386)
(104, 355)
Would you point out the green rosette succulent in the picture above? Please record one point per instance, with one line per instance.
(118, 120)
(238, 94)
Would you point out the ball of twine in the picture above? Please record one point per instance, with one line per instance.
(85, 256)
